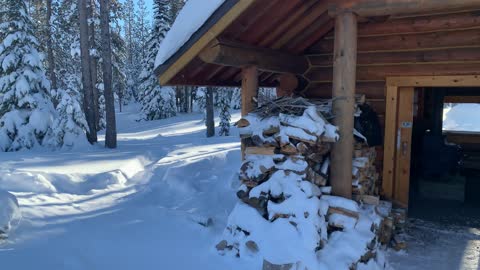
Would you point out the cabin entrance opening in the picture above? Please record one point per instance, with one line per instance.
(445, 156)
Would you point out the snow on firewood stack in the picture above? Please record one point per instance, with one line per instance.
(286, 216)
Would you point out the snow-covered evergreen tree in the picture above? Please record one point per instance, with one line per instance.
(26, 110)
(101, 107)
(157, 102)
(119, 58)
(224, 100)
(236, 101)
(70, 126)
(200, 100)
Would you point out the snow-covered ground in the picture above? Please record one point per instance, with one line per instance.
(137, 207)
(462, 117)
(439, 247)
(140, 206)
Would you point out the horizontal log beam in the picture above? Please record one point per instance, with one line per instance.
(421, 24)
(215, 83)
(372, 90)
(405, 57)
(378, 73)
(462, 99)
(405, 42)
(373, 8)
(239, 55)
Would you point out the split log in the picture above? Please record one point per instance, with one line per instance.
(340, 222)
(242, 123)
(289, 149)
(297, 134)
(343, 211)
(302, 148)
(367, 199)
(268, 151)
(316, 178)
(316, 157)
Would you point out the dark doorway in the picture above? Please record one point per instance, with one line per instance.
(445, 164)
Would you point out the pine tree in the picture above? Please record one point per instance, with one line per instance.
(157, 102)
(70, 126)
(175, 7)
(26, 110)
(209, 111)
(130, 49)
(111, 127)
(141, 29)
(236, 100)
(89, 103)
(224, 103)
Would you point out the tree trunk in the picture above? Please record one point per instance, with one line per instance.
(86, 74)
(186, 96)
(51, 57)
(192, 97)
(120, 102)
(210, 121)
(111, 130)
(93, 65)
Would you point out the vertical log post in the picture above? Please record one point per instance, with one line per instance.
(249, 89)
(344, 77)
(249, 92)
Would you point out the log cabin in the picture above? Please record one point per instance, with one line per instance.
(408, 57)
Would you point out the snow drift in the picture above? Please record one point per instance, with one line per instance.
(9, 213)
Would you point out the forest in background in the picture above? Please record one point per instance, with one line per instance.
(66, 67)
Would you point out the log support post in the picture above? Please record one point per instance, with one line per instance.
(249, 93)
(344, 78)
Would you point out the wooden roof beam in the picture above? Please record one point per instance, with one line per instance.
(227, 53)
(373, 8)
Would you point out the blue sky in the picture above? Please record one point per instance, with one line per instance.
(149, 4)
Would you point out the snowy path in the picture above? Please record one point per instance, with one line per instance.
(431, 246)
(137, 207)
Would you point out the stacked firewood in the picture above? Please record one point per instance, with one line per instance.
(295, 131)
(285, 178)
(295, 127)
(365, 175)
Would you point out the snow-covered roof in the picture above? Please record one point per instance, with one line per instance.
(193, 15)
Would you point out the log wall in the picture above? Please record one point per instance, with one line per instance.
(429, 45)
(440, 44)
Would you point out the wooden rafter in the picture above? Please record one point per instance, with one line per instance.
(237, 55)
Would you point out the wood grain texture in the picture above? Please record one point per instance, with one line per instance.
(345, 59)
(404, 145)
(390, 141)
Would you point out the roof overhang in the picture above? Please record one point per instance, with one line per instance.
(214, 26)
(292, 27)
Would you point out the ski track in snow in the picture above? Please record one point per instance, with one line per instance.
(136, 207)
